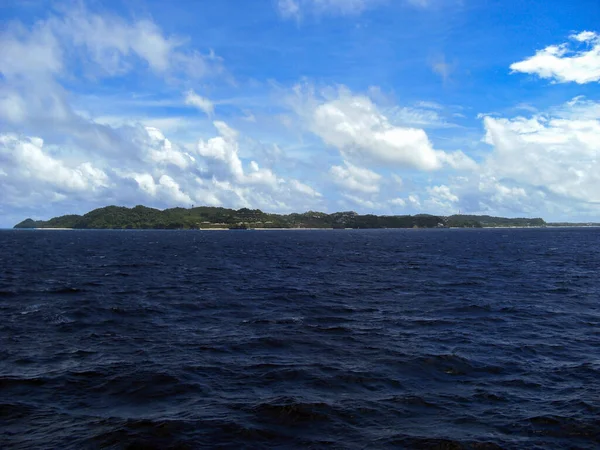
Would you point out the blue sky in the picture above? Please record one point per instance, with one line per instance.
(379, 106)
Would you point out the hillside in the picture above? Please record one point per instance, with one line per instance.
(142, 217)
(463, 220)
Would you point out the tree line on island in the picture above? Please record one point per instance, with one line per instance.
(205, 217)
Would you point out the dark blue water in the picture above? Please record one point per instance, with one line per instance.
(314, 339)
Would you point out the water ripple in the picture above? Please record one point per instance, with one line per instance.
(437, 339)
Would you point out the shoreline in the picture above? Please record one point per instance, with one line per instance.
(304, 229)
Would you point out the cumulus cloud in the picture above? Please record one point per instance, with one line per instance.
(563, 63)
(497, 194)
(222, 152)
(546, 164)
(26, 160)
(543, 164)
(221, 156)
(356, 127)
(441, 200)
(86, 161)
(557, 151)
(166, 189)
(354, 178)
(442, 193)
(362, 132)
(540, 160)
(161, 175)
(458, 160)
(160, 150)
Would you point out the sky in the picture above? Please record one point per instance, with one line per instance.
(375, 106)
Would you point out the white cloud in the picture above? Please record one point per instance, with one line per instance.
(162, 175)
(170, 187)
(542, 160)
(258, 175)
(397, 180)
(110, 40)
(107, 45)
(397, 202)
(29, 163)
(304, 189)
(223, 151)
(500, 194)
(205, 193)
(160, 150)
(443, 193)
(251, 186)
(90, 161)
(526, 107)
(578, 108)
(413, 200)
(558, 151)
(36, 60)
(458, 161)
(354, 178)
(13, 107)
(203, 104)
(364, 134)
(39, 102)
(355, 126)
(369, 205)
(31, 52)
(166, 189)
(145, 182)
(563, 64)
(419, 116)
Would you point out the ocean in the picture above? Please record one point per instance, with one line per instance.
(350, 339)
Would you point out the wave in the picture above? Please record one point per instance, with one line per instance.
(312, 341)
(452, 364)
(425, 443)
(289, 411)
(8, 293)
(560, 427)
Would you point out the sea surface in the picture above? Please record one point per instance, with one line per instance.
(350, 339)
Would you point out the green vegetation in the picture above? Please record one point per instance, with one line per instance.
(468, 221)
(142, 217)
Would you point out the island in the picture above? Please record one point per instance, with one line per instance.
(208, 217)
